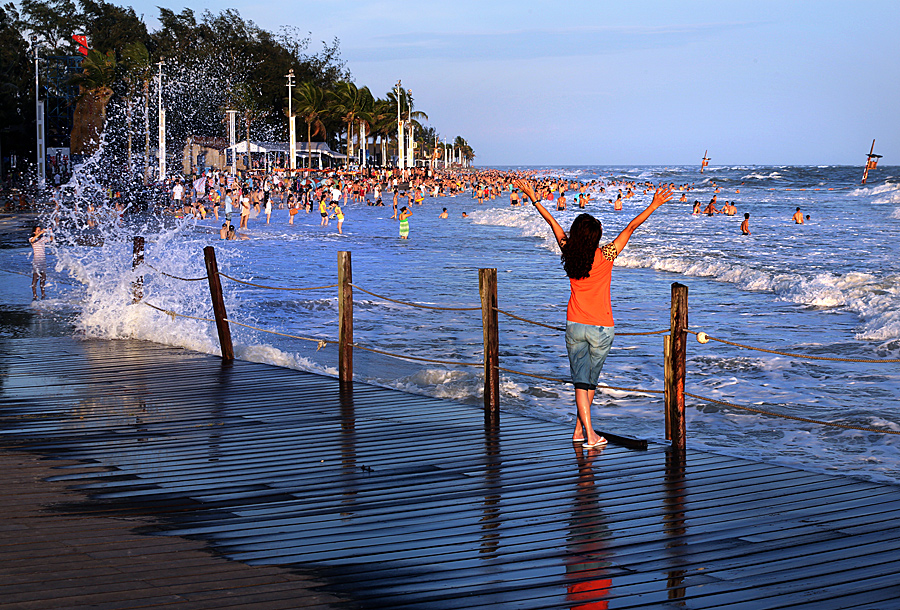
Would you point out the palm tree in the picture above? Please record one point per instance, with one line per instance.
(310, 102)
(352, 104)
(241, 96)
(466, 151)
(136, 69)
(95, 90)
(384, 124)
(407, 114)
(365, 116)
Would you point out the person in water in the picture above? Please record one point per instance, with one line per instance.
(589, 323)
(745, 226)
(337, 212)
(39, 240)
(797, 217)
(404, 222)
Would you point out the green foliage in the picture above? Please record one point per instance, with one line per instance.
(16, 82)
(240, 66)
(112, 28)
(53, 22)
(98, 72)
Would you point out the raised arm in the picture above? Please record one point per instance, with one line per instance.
(659, 197)
(558, 232)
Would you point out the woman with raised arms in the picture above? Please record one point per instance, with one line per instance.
(589, 322)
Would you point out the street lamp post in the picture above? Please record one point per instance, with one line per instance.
(411, 152)
(232, 140)
(39, 120)
(162, 127)
(292, 129)
(400, 159)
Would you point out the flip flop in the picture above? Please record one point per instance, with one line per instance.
(600, 443)
(578, 440)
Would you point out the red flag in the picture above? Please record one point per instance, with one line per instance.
(82, 43)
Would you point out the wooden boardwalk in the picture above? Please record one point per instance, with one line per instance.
(144, 476)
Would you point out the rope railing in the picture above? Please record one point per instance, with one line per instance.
(563, 329)
(234, 279)
(321, 342)
(416, 358)
(675, 342)
(175, 277)
(418, 305)
(569, 382)
(792, 417)
(702, 337)
(175, 314)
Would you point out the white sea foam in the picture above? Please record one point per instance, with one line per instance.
(812, 267)
(758, 176)
(887, 191)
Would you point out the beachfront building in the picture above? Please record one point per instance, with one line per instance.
(202, 153)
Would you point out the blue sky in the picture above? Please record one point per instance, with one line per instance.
(639, 82)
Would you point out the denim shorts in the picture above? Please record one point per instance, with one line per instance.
(588, 347)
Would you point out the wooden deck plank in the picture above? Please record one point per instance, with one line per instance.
(293, 472)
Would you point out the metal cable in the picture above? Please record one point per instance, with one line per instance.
(184, 279)
(799, 356)
(378, 296)
(803, 419)
(234, 279)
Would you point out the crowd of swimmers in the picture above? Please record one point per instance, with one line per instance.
(220, 194)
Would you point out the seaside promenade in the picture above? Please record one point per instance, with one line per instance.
(137, 475)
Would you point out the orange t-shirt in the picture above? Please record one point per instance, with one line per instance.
(590, 302)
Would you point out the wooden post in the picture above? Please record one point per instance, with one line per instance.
(345, 317)
(487, 286)
(676, 362)
(137, 259)
(218, 303)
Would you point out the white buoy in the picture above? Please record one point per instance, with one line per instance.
(702, 337)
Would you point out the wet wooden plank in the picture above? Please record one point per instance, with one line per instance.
(390, 500)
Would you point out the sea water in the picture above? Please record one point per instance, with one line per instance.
(829, 287)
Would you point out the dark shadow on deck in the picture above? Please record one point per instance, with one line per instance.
(400, 501)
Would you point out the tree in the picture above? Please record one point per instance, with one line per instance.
(95, 86)
(352, 104)
(16, 79)
(53, 22)
(111, 28)
(136, 70)
(384, 124)
(427, 137)
(243, 98)
(466, 151)
(310, 103)
(406, 107)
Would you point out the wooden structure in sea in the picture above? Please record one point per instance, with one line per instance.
(305, 492)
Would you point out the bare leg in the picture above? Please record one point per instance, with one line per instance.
(34, 281)
(583, 427)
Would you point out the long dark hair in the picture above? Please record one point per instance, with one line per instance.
(581, 246)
